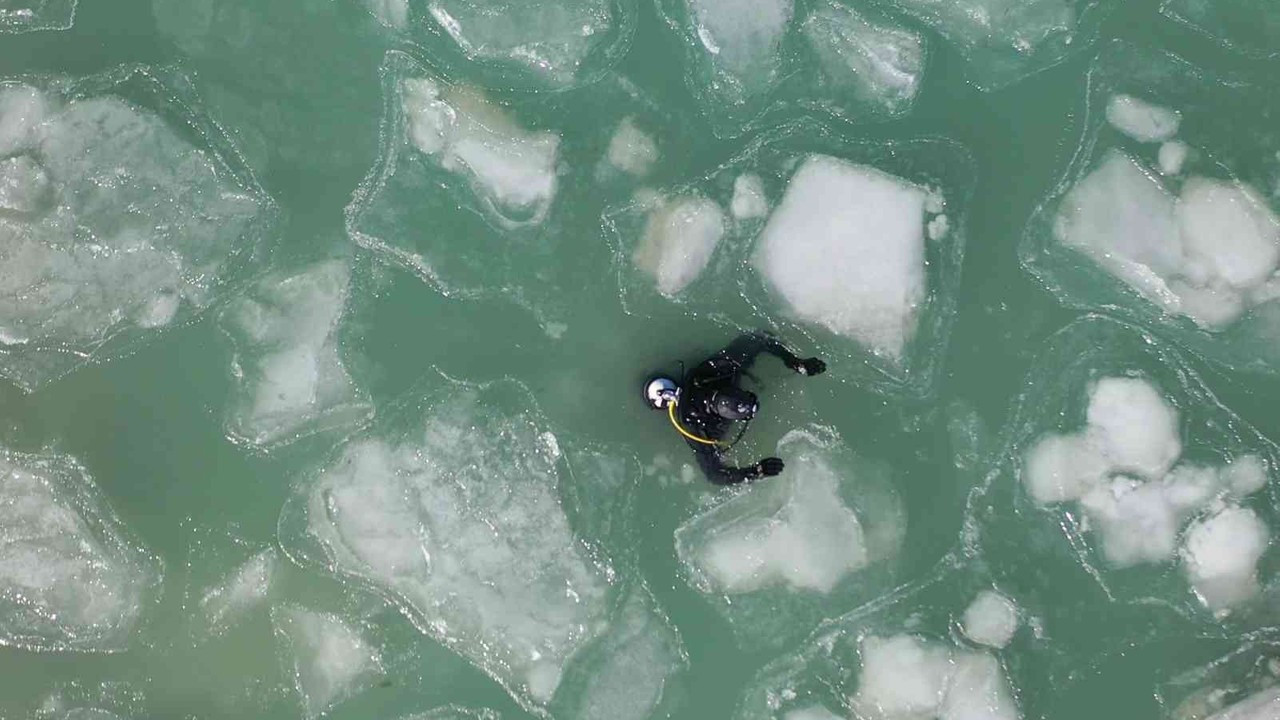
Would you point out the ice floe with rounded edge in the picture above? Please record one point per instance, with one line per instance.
(20, 16)
(130, 213)
(805, 539)
(289, 373)
(330, 661)
(448, 505)
(72, 577)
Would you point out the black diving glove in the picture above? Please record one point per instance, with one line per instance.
(811, 366)
(768, 467)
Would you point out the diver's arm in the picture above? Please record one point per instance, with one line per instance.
(744, 350)
(713, 466)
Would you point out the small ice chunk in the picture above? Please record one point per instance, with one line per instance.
(1136, 428)
(991, 619)
(511, 168)
(880, 63)
(290, 376)
(331, 661)
(938, 227)
(24, 185)
(1141, 120)
(813, 712)
(1262, 705)
(239, 593)
(845, 250)
(680, 236)
(549, 41)
(749, 200)
(632, 150)
(1063, 467)
(70, 576)
(1229, 228)
(1220, 556)
(978, 690)
(1172, 157)
(160, 311)
(902, 676)
(810, 543)
(1245, 475)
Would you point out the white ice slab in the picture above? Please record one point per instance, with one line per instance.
(680, 236)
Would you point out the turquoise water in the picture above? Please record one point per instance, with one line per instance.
(446, 294)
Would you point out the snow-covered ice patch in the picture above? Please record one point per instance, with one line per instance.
(631, 149)
(1220, 556)
(749, 199)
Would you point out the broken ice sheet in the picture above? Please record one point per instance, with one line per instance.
(856, 256)
(1003, 41)
(511, 44)
(93, 266)
(288, 368)
(19, 16)
(72, 576)
(900, 658)
(1241, 685)
(499, 228)
(448, 506)
(1166, 215)
(1249, 26)
(1117, 453)
(817, 540)
(745, 58)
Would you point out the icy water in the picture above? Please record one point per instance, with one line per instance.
(323, 323)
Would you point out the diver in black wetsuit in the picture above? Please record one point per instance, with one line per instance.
(710, 401)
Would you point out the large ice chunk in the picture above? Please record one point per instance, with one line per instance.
(17, 16)
(449, 506)
(540, 45)
(902, 676)
(71, 575)
(123, 225)
(1136, 427)
(330, 660)
(290, 377)
(803, 537)
(845, 249)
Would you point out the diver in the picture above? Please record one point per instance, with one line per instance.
(709, 400)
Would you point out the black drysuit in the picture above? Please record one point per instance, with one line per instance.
(718, 372)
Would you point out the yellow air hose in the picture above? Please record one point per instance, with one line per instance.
(671, 413)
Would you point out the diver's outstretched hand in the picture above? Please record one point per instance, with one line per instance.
(769, 466)
(811, 366)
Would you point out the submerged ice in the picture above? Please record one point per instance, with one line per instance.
(118, 225)
(450, 507)
(330, 660)
(71, 575)
(680, 236)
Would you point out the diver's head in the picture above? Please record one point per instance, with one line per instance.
(734, 404)
(660, 391)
